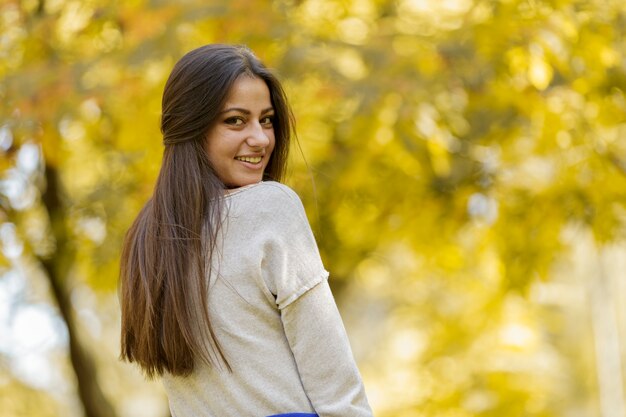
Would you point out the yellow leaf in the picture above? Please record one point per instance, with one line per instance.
(539, 73)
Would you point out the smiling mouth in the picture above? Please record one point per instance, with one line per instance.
(249, 159)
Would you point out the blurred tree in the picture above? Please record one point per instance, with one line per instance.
(454, 146)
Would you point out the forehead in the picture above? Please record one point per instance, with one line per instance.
(248, 90)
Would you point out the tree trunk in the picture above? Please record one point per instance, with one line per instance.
(607, 343)
(57, 267)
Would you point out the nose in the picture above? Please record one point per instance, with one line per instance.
(258, 137)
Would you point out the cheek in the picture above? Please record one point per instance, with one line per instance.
(217, 146)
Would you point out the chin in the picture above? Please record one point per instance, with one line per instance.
(243, 182)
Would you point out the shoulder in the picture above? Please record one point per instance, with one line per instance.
(271, 198)
(277, 191)
(272, 193)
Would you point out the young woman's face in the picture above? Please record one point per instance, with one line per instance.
(241, 141)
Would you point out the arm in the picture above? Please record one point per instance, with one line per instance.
(321, 348)
(295, 275)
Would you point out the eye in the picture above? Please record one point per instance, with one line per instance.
(234, 121)
(267, 121)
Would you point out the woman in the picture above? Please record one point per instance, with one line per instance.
(223, 292)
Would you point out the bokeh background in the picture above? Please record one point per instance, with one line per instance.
(462, 163)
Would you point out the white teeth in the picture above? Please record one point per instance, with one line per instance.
(251, 159)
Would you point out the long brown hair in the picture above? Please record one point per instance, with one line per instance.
(165, 256)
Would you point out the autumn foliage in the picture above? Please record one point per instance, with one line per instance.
(462, 162)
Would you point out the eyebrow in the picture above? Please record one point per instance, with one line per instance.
(244, 111)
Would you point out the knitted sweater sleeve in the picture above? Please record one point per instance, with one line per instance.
(311, 321)
(291, 262)
(320, 346)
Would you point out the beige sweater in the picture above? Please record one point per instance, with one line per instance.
(275, 318)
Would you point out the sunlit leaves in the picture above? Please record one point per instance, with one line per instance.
(453, 145)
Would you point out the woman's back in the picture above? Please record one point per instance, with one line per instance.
(266, 260)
